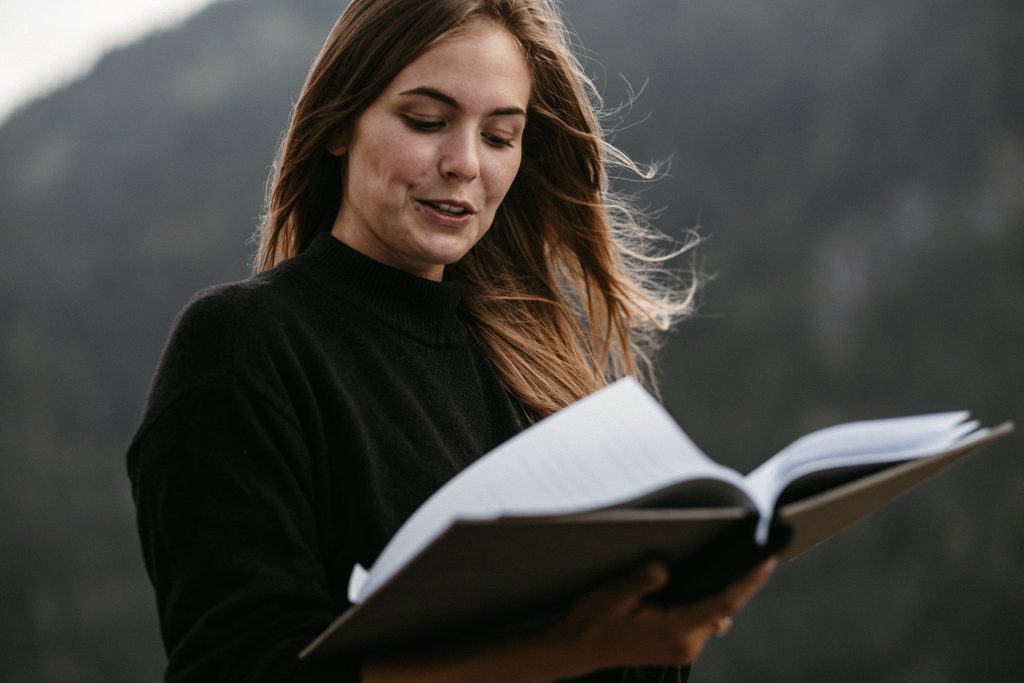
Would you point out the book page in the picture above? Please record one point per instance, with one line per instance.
(815, 517)
(611, 447)
(859, 445)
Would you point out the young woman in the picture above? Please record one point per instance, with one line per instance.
(441, 264)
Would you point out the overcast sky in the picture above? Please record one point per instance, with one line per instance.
(44, 43)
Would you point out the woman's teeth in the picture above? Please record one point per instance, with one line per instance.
(448, 208)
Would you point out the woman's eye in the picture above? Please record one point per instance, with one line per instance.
(497, 140)
(423, 124)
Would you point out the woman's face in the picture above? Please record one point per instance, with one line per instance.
(430, 160)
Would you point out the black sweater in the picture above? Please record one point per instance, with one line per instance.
(295, 421)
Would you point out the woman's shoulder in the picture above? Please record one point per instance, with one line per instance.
(216, 320)
(226, 316)
(218, 331)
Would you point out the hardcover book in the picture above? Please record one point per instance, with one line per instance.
(589, 492)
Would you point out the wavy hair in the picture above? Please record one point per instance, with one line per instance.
(562, 292)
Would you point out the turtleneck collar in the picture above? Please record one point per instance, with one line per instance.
(420, 308)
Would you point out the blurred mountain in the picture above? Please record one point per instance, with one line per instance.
(857, 167)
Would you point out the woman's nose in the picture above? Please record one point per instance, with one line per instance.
(460, 157)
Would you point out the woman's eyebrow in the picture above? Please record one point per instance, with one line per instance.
(450, 101)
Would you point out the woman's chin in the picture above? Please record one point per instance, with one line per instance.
(446, 251)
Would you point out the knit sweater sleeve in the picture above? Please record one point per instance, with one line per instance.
(223, 488)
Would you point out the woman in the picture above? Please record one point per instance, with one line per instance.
(441, 265)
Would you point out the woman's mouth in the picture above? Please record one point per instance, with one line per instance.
(448, 207)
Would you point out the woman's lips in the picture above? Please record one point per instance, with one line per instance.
(449, 213)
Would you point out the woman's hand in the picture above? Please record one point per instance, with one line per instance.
(613, 625)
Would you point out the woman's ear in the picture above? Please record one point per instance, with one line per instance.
(338, 143)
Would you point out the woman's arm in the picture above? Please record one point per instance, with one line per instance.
(612, 626)
(230, 540)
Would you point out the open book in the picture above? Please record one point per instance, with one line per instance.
(592, 490)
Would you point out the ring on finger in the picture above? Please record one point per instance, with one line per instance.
(721, 625)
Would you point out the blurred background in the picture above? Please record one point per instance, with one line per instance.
(857, 167)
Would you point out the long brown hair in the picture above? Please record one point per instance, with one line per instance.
(561, 292)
